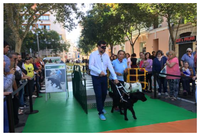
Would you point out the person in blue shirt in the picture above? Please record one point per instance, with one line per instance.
(158, 64)
(58, 73)
(120, 66)
(188, 57)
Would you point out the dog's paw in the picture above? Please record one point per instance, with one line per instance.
(134, 117)
(126, 119)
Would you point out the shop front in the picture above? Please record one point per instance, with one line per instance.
(184, 43)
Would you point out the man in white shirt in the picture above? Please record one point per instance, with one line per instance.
(99, 61)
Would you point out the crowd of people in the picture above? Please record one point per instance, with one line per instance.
(155, 62)
(16, 72)
(176, 73)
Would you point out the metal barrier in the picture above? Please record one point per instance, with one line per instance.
(37, 87)
(9, 103)
(134, 75)
(156, 75)
(79, 89)
(67, 87)
(30, 90)
(84, 70)
(154, 81)
(10, 112)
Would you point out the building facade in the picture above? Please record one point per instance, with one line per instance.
(153, 39)
(186, 38)
(47, 21)
(149, 40)
(73, 53)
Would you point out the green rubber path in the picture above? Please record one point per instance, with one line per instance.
(61, 116)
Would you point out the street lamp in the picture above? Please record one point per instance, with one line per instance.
(31, 52)
(38, 45)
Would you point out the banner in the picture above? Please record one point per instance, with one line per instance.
(55, 78)
(187, 39)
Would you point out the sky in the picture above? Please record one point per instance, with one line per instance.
(74, 35)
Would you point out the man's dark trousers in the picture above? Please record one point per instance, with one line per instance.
(100, 89)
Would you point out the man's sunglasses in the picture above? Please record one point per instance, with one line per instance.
(103, 47)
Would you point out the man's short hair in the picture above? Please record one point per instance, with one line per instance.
(101, 42)
(121, 51)
(10, 55)
(5, 44)
(27, 58)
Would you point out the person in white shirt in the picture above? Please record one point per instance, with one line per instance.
(99, 61)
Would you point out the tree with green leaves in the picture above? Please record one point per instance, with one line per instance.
(132, 17)
(54, 42)
(84, 46)
(175, 12)
(109, 30)
(100, 24)
(47, 40)
(88, 38)
(15, 14)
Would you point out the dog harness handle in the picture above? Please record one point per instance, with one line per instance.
(121, 86)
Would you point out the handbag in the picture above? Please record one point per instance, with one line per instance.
(164, 71)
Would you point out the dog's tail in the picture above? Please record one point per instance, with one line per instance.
(111, 94)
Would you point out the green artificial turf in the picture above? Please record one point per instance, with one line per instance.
(58, 115)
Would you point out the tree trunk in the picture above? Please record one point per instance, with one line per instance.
(111, 48)
(18, 44)
(132, 45)
(15, 23)
(179, 22)
(171, 35)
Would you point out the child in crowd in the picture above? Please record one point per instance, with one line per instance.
(185, 71)
(133, 61)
